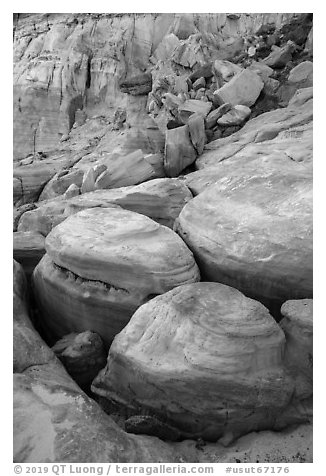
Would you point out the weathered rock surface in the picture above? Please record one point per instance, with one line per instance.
(60, 182)
(131, 169)
(29, 248)
(196, 126)
(213, 116)
(244, 88)
(179, 150)
(255, 234)
(83, 356)
(286, 132)
(159, 199)
(54, 421)
(101, 265)
(279, 57)
(205, 359)
(236, 116)
(302, 72)
(297, 325)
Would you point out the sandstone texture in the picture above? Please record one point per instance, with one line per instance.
(297, 325)
(28, 249)
(101, 264)
(160, 199)
(54, 421)
(255, 234)
(83, 356)
(203, 358)
(153, 151)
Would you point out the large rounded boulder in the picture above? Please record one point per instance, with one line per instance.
(101, 265)
(255, 234)
(205, 360)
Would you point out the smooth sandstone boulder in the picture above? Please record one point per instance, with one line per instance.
(159, 199)
(255, 234)
(101, 265)
(54, 421)
(203, 358)
(130, 169)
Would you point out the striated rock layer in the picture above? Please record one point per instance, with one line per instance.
(254, 233)
(159, 199)
(101, 265)
(54, 421)
(204, 359)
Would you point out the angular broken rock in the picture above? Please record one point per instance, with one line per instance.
(194, 105)
(72, 191)
(213, 116)
(88, 184)
(203, 358)
(199, 83)
(60, 183)
(297, 325)
(236, 116)
(83, 356)
(280, 57)
(101, 265)
(179, 151)
(244, 88)
(130, 169)
(302, 72)
(196, 126)
(254, 234)
(225, 69)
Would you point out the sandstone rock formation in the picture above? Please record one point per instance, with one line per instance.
(255, 234)
(54, 421)
(101, 265)
(297, 325)
(83, 356)
(159, 199)
(28, 249)
(203, 358)
(106, 107)
(244, 88)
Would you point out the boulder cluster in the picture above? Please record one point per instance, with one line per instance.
(165, 234)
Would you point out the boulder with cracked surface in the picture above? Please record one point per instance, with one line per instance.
(203, 358)
(101, 265)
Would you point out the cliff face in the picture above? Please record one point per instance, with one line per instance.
(69, 66)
